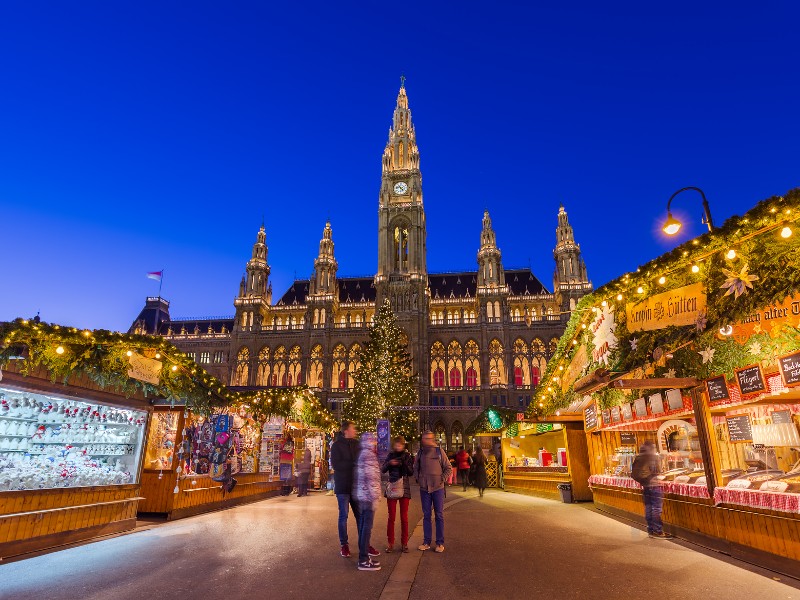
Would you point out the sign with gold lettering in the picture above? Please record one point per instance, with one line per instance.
(769, 320)
(144, 369)
(682, 306)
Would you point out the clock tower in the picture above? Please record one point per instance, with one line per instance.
(402, 275)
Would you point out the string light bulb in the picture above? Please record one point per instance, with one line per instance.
(662, 280)
(604, 303)
(730, 254)
(619, 297)
(158, 355)
(786, 232)
(60, 350)
(695, 269)
(129, 353)
(640, 290)
(174, 367)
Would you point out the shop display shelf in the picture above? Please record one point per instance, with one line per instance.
(15, 435)
(98, 442)
(26, 419)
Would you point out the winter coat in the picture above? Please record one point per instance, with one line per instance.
(344, 453)
(431, 468)
(367, 477)
(480, 471)
(462, 460)
(404, 470)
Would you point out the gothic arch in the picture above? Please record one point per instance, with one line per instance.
(497, 364)
(262, 374)
(472, 373)
(242, 373)
(438, 355)
(457, 435)
(316, 370)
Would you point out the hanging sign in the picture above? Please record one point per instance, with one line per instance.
(144, 369)
(604, 339)
(751, 380)
(627, 412)
(384, 439)
(590, 417)
(790, 369)
(656, 403)
(674, 399)
(640, 405)
(769, 320)
(606, 414)
(739, 429)
(717, 389)
(627, 438)
(682, 306)
(580, 360)
(616, 416)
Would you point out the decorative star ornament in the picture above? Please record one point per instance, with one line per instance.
(707, 354)
(738, 283)
(701, 322)
(670, 373)
(634, 344)
(757, 328)
(755, 348)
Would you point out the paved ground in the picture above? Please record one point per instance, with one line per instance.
(503, 546)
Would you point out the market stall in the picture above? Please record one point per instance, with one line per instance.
(699, 352)
(196, 463)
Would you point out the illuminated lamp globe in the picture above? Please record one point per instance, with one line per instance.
(695, 269)
(60, 350)
(786, 232)
(730, 254)
(662, 280)
(129, 353)
(619, 297)
(174, 367)
(671, 225)
(640, 290)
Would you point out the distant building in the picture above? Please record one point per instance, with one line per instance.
(477, 337)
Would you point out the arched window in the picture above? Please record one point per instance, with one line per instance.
(497, 366)
(438, 378)
(455, 378)
(316, 378)
(489, 310)
(342, 379)
(472, 378)
(521, 363)
(400, 245)
(339, 365)
(472, 362)
(295, 366)
(354, 362)
(518, 379)
(535, 375)
(262, 375)
(242, 373)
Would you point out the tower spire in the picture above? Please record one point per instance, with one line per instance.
(255, 293)
(490, 266)
(570, 279)
(323, 280)
(401, 152)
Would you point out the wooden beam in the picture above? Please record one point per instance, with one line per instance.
(656, 382)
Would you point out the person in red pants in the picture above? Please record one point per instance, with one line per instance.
(399, 465)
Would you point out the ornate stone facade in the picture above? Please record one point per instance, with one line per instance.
(477, 338)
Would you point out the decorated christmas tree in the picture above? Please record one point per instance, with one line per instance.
(384, 379)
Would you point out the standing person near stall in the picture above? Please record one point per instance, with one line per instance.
(367, 492)
(399, 465)
(303, 473)
(463, 462)
(479, 462)
(344, 453)
(432, 469)
(645, 470)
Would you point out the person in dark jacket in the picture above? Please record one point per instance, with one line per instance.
(399, 465)
(645, 470)
(344, 455)
(303, 472)
(479, 462)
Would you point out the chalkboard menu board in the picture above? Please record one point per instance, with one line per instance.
(627, 412)
(590, 417)
(717, 389)
(607, 416)
(674, 399)
(781, 416)
(616, 415)
(627, 438)
(656, 404)
(640, 405)
(790, 369)
(739, 428)
(750, 380)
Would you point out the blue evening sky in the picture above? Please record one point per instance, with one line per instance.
(136, 136)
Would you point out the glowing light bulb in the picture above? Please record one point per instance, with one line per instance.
(695, 269)
(662, 280)
(640, 290)
(174, 367)
(619, 297)
(786, 232)
(604, 303)
(60, 350)
(129, 353)
(731, 254)
(158, 355)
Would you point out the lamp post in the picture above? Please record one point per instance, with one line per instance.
(673, 226)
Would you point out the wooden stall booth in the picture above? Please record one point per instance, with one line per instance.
(70, 460)
(186, 457)
(698, 351)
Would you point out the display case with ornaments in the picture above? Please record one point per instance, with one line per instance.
(50, 442)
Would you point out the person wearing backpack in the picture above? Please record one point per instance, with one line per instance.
(399, 465)
(645, 470)
(463, 463)
(431, 470)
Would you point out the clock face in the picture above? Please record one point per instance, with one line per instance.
(401, 187)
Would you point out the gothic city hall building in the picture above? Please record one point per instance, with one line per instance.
(477, 338)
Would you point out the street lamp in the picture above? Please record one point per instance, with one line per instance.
(673, 226)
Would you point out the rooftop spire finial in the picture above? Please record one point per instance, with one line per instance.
(402, 81)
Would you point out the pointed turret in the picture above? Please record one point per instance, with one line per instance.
(490, 267)
(570, 279)
(255, 293)
(323, 280)
(401, 152)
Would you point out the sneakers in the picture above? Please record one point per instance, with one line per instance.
(661, 536)
(439, 548)
(389, 549)
(369, 565)
(424, 547)
(405, 549)
(345, 552)
(373, 552)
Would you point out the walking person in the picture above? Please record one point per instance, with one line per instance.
(431, 470)
(645, 470)
(463, 462)
(367, 492)
(399, 465)
(479, 462)
(303, 473)
(344, 454)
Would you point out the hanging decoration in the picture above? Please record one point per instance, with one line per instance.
(738, 283)
(603, 337)
(707, 354)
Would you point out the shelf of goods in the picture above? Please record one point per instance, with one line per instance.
(70, 461)
(542, 456)
(191, 462)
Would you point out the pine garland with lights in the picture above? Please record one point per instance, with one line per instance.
(493, 418)
(384, 379)
(749, 263)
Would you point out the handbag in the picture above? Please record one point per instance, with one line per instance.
(394, 490)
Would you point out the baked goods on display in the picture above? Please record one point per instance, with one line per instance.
(48, 442)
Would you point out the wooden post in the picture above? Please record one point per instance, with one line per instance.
(705, 432)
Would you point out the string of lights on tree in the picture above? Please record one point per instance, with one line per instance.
(750, 262)
(104, 357)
